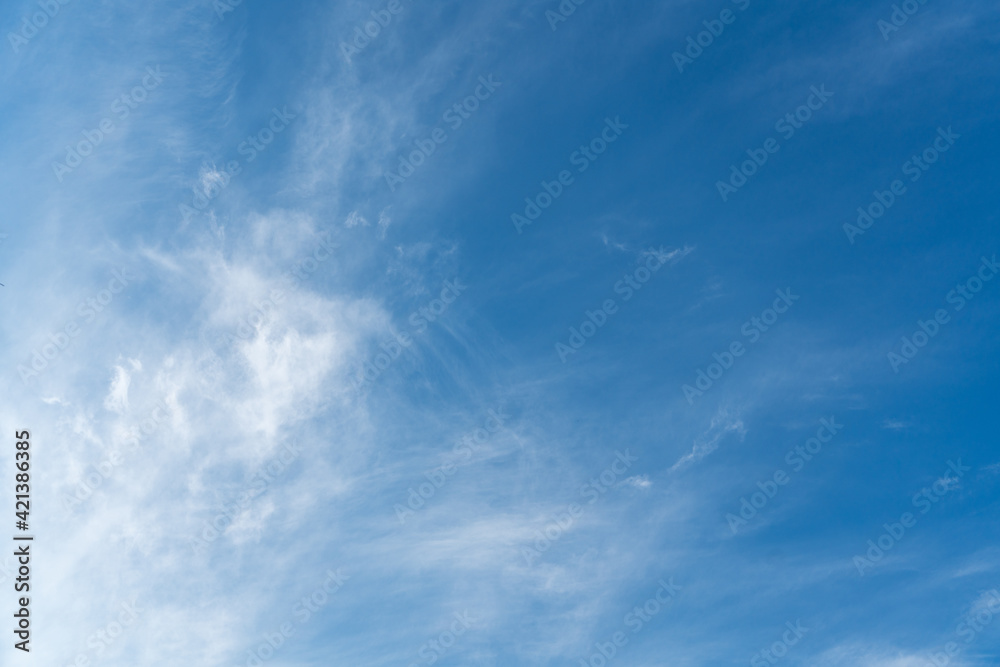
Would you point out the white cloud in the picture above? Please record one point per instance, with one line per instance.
(226, 412)
(722, 424)
(639, 481)
(355, 219)
(117, 398)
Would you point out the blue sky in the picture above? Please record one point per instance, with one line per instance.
(687, 411)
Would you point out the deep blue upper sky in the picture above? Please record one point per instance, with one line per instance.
(268, 264)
